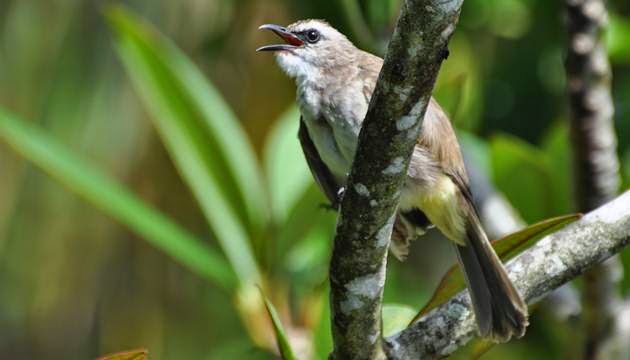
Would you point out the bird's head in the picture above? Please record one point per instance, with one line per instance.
(310, 48)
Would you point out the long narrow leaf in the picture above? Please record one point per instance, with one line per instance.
(286, 169)
(113, 199)
(453, 281)
(201, 135)
(140, 354)
(281, 337)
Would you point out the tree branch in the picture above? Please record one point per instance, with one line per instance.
(553, 261)
(387, 138)
(596, 166)
(500, 219)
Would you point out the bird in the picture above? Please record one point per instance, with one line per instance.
(335, 81)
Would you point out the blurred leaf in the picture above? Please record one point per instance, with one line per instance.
(288, 175)
(626, 168)
(310, 253)
(556, 145)
(362, 34)
(237, 349)
(323, 336)
(113, 199)
(281, 337)
(396, 317)
(522, 173)
(459, 88)
(474, 349)
(140, 354)
(476, 149)
(511, 18)
(507, 247)
(618, 39)
(382, 13)
(306, 214)
(201, 134)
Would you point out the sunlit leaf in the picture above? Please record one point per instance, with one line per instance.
(287, 173)
(281, 337)
(518, 166)
(453, 281)
(618, 39)
(111, 197)
(557, 146)
(201, 134)
(474, 349)
(396, 317)
(139, 354)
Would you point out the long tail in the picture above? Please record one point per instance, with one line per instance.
(500, 311)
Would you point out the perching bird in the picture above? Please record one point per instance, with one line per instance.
(335, 81)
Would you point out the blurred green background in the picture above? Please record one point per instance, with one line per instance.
(195, 184)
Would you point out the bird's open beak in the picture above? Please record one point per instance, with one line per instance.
(292, 41)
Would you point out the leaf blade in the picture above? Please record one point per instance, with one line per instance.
(139, 354)
(507, 247)
(113, 199)
(288, 176)
(170, 86)
(281, 337)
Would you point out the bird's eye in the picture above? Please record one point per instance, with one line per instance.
(312, 36)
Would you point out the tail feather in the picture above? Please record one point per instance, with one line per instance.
(500, 311)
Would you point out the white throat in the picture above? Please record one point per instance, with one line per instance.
(297, 68)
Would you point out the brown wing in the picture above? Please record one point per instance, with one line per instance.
(369, 67)
(439, 138)
(320, 171)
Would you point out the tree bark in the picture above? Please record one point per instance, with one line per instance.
(596, 167)
(387, 137)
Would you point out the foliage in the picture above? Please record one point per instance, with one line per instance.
(224, 190)
(507, 247)
(281, 337)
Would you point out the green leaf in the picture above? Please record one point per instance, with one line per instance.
(618, 39)
(288, 175)
(361, 32)
(203, 137)
(516, 166)
(476, 150)
(626, 169)
(474, 349)
(112, 198)
(507, 247)
(140, 354)
(281, 338)
(396, 317)
(556, 145)
(322, 335)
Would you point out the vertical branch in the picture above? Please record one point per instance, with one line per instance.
(387, 138)
(594, 154)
